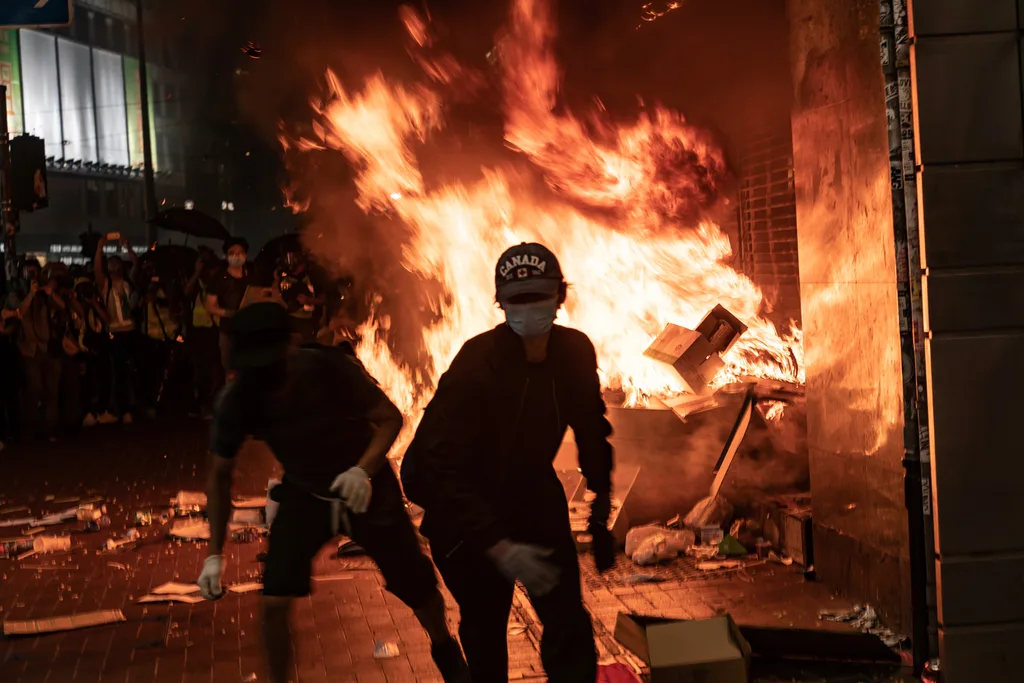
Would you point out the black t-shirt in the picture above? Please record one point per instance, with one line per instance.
(315, 423)
(230, 290)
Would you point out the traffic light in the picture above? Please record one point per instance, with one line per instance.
(28, 173)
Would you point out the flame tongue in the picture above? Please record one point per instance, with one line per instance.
(626, 214)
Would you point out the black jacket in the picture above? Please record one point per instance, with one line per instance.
(453, 467)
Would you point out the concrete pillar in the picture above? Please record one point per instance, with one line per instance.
(849, 303)
(967, 65)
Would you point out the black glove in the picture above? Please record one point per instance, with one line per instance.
(602, 546)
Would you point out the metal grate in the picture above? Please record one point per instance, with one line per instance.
(767, 217)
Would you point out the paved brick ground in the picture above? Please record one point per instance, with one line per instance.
(336, 628)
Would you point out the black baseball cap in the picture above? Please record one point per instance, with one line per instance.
(527, 268)
(259, 335)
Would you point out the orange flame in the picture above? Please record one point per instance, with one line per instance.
(625, 209)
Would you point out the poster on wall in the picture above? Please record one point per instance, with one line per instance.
(10, 75)
(133, 106)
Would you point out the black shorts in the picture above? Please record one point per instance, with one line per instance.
(303, 526)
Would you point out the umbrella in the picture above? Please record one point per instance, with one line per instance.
(195, 223)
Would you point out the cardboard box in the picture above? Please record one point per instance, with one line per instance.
(677, 651)
(721, 328)
(690, 353)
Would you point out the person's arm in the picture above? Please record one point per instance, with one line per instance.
(592, 429)
(26, 303)
(226, 436)
(213, 306)
(99, 274)
(441, 468)
(219, 477)
(192, 286)
(370, 402)
(590, 425)
(134, 273)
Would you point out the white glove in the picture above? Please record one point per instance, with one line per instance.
(353, 486)
(527, 563)
(209, 580)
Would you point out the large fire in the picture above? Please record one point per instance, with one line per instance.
(623, 206)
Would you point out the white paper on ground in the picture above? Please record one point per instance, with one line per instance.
(169, 597)
(174, 588)
(247, 503)
(68, 623)
(246, 587)
(191, 529)
(20, 521)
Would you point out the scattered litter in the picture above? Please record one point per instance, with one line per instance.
(249, 503)
(49, 544)
(864, 619)
(782, 560)
(173, 588)
(191, 529)
(712, 565)
(12, 547)
(57, 517)
(251, 678)
(385, 650)
(334, 577)
(170, 597)
(68, 623)
(188, 502)
(48, 497)
(33, 531)
(647, 545)
(27, 554)
(641, 578)
(20, 521)
(67, 499)
(130, 537)
(87, 513)
(246, 587)
(730, 547)
(11, 509)
(247, 515)
(117, 565)
(143, 518)
(711, 535)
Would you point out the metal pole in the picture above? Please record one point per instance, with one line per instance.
(895, 50)
(147, 150)
(10, 216)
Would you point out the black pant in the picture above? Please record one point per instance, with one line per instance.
(204, 351)
(156, 369)
(124, 355)
(303, 525)
(96, 379)
(42, 392)
(485, 599)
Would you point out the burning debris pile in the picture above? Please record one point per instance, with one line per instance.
(628, 208)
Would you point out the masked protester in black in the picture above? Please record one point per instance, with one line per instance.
(331, 427)
(481, 467)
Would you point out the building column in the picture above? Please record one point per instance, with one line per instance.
(967, 63)
(848, 297)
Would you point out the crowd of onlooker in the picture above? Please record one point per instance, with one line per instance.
(132, 336)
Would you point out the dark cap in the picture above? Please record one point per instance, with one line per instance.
(236, 242)
(527, 269)
(259, 335)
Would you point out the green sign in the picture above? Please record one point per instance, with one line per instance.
(10, 75)
(133, 105)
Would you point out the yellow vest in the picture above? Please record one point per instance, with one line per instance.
(160, 323)
(200, 316)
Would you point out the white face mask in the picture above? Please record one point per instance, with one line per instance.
(236, 261)
(533, 319)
